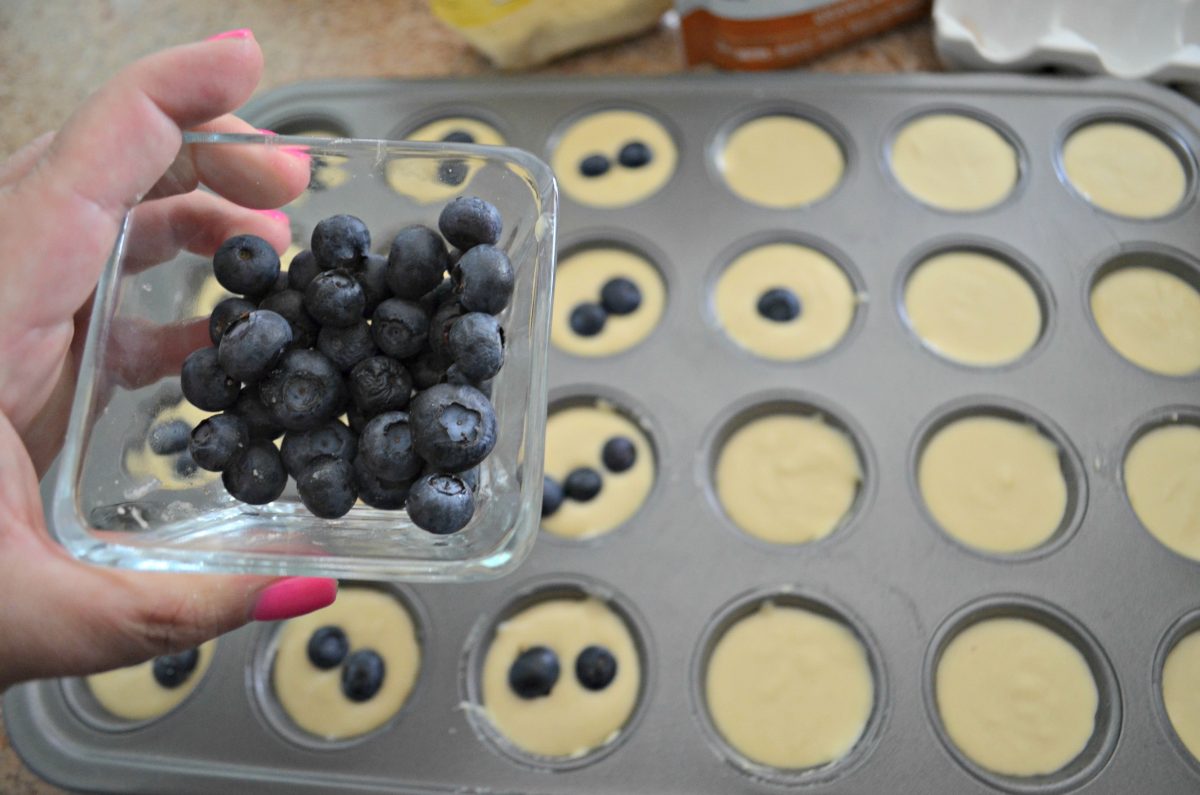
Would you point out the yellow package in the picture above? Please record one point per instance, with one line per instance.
(516, 34)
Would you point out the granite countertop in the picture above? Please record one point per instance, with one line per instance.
(54, 52)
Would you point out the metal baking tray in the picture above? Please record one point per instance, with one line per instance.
(679, 569)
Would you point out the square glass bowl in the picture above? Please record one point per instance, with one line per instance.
(118, 504)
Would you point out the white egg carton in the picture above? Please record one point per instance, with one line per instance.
(1156, 40)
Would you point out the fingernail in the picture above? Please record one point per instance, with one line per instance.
(274, 215)
(296, 152)
(267, 132)
(293, 596)
(240, 33)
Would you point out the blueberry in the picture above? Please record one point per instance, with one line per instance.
(426, 369)
(634, 154)
(304, 391)
(594, 166)
(582, 484)
(335, 298)
(477, 345)
(552, 496)
(246, 265)
(340, 241)
(386, 447)
(483, 280)
(185, 465)
(256, 475)
(289, 304)
(440, 503)
(169, 437)
(253, 345)
(204, 383)
(468, 221)
(373, 280)
(379, 493)
(779, 304)
(260, 422)
(620, 296)
(417, 262)
(439, 330)
(380, 384)
(458, 137)
(595, 667)
(588, 319)
(216, 440)
(332, 440)
(534, 673)
(453, 427)
(327, 647)
(346, 346)
(281, 283)
(452, 171)
(362, 675)
(619, 454)
(356, 419)
(172, 670)
(303, 270)
(225, 314)
(439, 295)
(327, 488)
(400, 328)
(454, 375)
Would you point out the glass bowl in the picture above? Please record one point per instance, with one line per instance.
(118, 504)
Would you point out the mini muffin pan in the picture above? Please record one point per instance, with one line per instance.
(679, 570)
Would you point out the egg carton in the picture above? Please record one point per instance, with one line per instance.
(1155, 40)
(679, 571)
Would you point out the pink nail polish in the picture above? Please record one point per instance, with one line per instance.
(296, 152)
(293, 596)
(240, 33)
(274, 215)
(266, 132)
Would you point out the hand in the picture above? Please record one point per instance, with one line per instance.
(62, 200)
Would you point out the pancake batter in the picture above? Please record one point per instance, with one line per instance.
(571, 719)
(972, 308)
(430, 181)
(1015, 697)
(315, 698)
(825, 297)
(1151, 317)
(781, 161)
(1181, 691)
(601, 140)
(789, 688)
(1162, 479)
(994, 484)
(580, 277)
(1124, 169)
(575, 439)
(135, 694)
(954, 162)
(142, 463)
(787, 478)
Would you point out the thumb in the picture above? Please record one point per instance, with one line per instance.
(74, 619)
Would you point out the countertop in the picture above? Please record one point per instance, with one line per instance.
(53, 53)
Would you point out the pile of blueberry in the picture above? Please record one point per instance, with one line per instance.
(362, 670)
(618, 296)
(583, 483)
(535, 672)
(406, 352)
(634, 154)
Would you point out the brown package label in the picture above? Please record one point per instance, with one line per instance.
(753, 42)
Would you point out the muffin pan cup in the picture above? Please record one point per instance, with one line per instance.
(677, 563)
